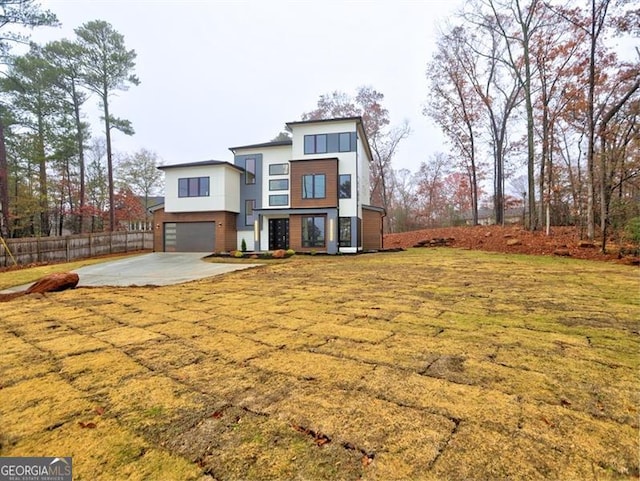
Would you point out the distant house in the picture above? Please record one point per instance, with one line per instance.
(309, 193)
(140, 217)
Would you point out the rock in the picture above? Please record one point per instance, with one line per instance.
(514, 242)
(562, 251)
(585, 244)
(279, 254)
(54, 283)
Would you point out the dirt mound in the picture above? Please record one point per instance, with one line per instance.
(562, 241)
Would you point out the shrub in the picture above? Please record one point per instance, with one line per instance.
(243, 246)
(291, 252)
(238, 254)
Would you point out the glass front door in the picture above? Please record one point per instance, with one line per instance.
(278, 234)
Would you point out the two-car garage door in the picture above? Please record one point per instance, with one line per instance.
(189, 236)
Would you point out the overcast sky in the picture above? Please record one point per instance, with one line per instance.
(217, 74)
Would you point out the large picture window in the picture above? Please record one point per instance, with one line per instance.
(250, 171)
(313, 231)
(313, 186)
(344, 188)
(193, 187)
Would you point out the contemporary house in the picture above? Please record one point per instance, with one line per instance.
(310, 193)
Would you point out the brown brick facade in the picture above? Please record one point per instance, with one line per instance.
(328, 167)
(226, 234)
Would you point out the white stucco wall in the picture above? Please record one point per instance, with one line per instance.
(224, 189)
(300, 130)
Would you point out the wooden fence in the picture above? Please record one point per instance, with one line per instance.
(67, 248)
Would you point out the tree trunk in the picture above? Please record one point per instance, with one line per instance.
(4, 185)
(80, 141)
(107, 126)
(45, 228)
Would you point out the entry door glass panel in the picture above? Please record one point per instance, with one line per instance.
(278, 234)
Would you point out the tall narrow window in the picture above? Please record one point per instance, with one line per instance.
(250, 170)
(313, 231)
(313, 186)
(249, 205)
(344, 189)
(344, 231)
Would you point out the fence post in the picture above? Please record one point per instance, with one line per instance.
(38, 249)
(67, 246)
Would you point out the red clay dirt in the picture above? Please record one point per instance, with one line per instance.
(562, 241)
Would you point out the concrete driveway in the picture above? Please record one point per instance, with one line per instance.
(156, 269)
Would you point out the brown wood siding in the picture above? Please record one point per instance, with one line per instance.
(328, 167)
(226, 234)
(371, 229)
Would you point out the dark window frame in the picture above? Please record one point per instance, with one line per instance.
(314, 240)
(278, 204)
(344, 241)
(285, 170)
(342, 193)
(247, 215)
(250, 172)
(194, 187)
(313, 194)
(272, 181)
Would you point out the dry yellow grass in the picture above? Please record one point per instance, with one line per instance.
(426, 364)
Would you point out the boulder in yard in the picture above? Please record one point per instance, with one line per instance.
(562, 251)
(514, 242)
(59, 281)
(279, 254)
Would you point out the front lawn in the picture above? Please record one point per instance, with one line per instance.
(425, 364)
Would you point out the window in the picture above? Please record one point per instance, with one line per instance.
(250, 168)
(249, 205)
(279, 184)
(313, 231)
(279, 169)
(193, 187)
(315, 144)
(278, 199)
(325, 143)
(344, 188)
(313, 186)
(344, 231)
(345, 142)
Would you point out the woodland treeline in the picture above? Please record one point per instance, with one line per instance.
(55, 176)
(539, 102)
(545, 96)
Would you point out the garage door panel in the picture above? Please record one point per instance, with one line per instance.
(189, 236)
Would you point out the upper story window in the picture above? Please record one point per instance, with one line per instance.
(327, 143)
(313, 186)
(250, 170)
(279, 169)
(344, 186)
(193, 187)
